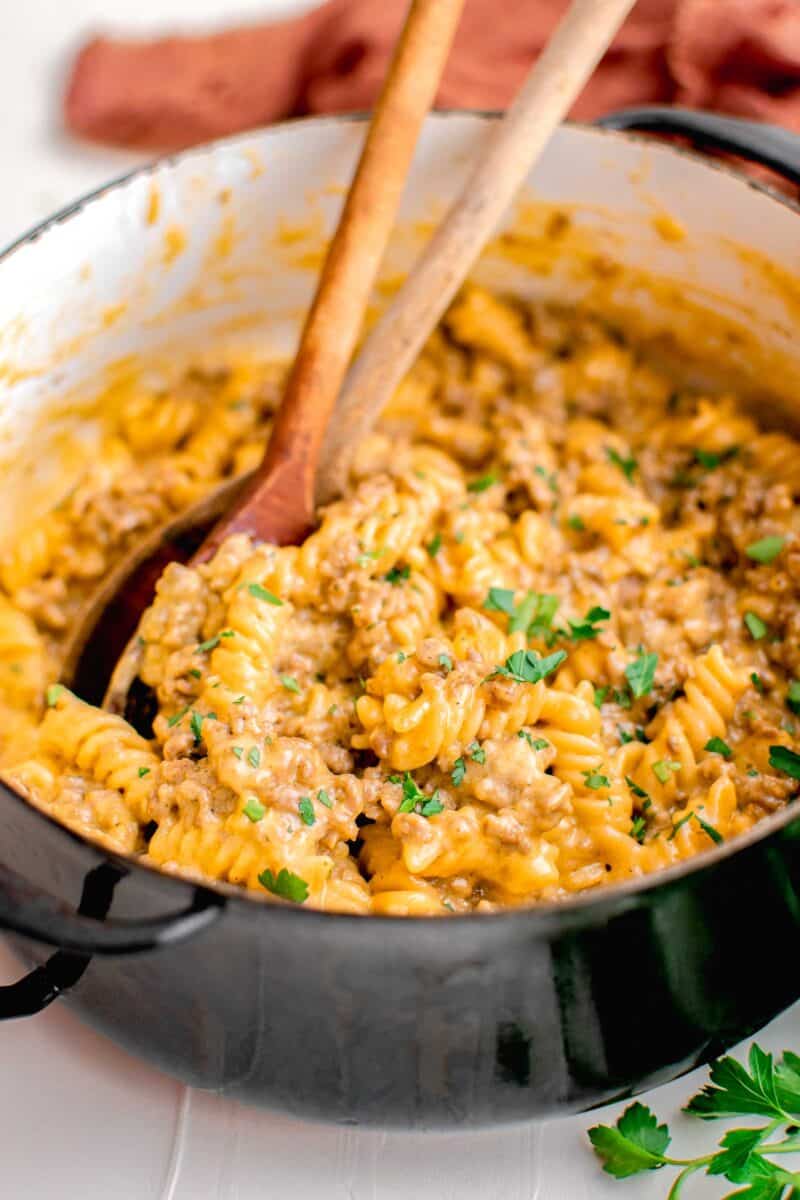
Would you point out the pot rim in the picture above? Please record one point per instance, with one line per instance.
(545, 914)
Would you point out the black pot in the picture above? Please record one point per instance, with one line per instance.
(430, 1022)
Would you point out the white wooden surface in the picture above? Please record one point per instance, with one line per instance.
(79, 1118)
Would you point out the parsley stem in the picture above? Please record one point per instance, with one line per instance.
(677, 1187)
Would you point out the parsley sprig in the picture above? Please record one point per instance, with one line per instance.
(526, 666)
(637, 1143)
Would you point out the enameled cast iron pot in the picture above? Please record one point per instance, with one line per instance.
(397, 1022)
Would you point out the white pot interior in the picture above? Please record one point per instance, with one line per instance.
(222, 246)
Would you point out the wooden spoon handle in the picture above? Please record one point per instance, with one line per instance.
(279, 504)
(503, 162)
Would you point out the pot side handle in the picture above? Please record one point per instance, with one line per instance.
(769, 145)
(81, 934)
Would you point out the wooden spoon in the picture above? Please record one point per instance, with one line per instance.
(279, 506)
(277, 503)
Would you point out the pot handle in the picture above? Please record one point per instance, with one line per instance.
(34, 914)
(79, 935)
(772, 147)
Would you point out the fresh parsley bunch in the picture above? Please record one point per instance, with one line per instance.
(763, 1088)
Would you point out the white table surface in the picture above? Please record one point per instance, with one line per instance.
(79, 1118)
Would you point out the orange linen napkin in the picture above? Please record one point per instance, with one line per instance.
(737, 56)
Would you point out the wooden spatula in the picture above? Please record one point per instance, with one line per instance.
(279, 503)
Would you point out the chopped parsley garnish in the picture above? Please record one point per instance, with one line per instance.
(238, 751)
(480, 485)
(262, 593)
(757, 682)
(575, 522)
(254, 810)
(711, 459)
(305, 808)
(599, 696)
(434, 545)
(588, 626)
(595, 780)
(638, 829)
(239, 700)
(178, 716)
(196, 726)
(254, 756)
(756, 627)
(641, 673)
(786, 760)
(524, 613)
(458, 772)
(290, 683)
(195, 674)
(416, 801)
(624, 736)
(664, 768)
(713, 833)
(626, 465)
(637, 791)
(397, 575)
(793, 696)
(446, 663)
(716, 745)
(53, 692)
(324, 798)
(476, 752)
(143, 771)
(401, 657)
(214, 641)
(500, 600)
(766, 549)
(526, 666)
(369, 556)
(286, 885)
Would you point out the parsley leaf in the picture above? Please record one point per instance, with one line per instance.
(54, 691)
(711, 459)
(756, 627)
(637, 791)
(254, 810)
(664, 768)
(575, 522)
(324, 798)
(262, 593)
(143, 771)
(397, 575)
(254, 756)
(626, 465)
(635, 1143)
(500, 600)
(415, 800)
(476, 752)
(434, 545)
(595, 780)
(525, 666)
(290, 683)
(446, 663)
(736, 1090)
(458, 772)
(196, 726)
(214, 641)
(793, 696)
(588, 627)
(786, 760)
(641, 673)
(716, 745)
(480, 485)
(766, 549)
(305, 808)
(286, 885)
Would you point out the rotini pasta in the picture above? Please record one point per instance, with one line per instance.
(548, 640)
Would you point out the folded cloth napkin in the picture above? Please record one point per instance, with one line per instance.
(737, 56)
